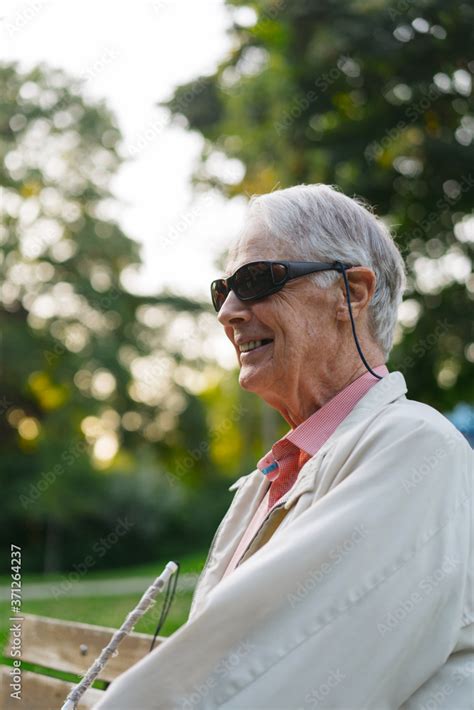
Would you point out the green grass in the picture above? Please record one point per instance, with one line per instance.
(192, 562)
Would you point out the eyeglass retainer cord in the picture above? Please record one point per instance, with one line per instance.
(342, 269)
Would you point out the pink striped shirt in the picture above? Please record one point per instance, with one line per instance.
(283, 462)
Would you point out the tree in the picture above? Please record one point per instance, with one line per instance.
(93, 395)
(376, 98)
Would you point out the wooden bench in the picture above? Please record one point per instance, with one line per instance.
(70, 647)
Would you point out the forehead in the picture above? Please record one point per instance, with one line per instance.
(254, 244)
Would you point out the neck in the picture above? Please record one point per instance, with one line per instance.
(297, 404)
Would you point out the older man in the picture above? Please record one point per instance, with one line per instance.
(342, 574)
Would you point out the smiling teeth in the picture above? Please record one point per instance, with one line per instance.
(245, 347)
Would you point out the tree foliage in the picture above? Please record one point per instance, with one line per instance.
(99, 403)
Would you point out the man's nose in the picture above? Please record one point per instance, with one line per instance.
(233, 309)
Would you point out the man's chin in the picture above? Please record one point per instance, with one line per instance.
(251, 379)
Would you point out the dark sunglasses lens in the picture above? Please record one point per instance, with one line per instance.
(279, 273)
(219, 293)
(253, 280)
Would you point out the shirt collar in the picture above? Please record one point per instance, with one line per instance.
(310, 435)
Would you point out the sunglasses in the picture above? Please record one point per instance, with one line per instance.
(262, 278)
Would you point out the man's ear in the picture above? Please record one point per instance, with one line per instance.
(362, 282)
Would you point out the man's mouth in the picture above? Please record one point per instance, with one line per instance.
(254, 344)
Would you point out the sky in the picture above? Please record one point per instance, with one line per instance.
(133, 54)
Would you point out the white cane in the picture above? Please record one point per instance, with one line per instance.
(143, 605)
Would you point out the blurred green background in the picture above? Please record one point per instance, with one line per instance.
(118, 439)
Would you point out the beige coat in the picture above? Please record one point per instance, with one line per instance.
(356, 593)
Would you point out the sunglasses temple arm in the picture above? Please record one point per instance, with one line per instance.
(342, 269)
(303, 269)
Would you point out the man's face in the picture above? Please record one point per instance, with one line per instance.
(298, 321)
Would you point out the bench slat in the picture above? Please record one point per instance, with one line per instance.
(56, 644)
(40, 692)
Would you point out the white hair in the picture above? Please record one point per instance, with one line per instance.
(319, 223)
